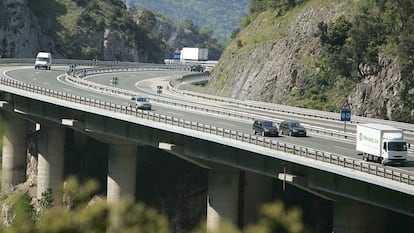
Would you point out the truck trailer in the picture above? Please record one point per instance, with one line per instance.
(194, 54)
(381, 143)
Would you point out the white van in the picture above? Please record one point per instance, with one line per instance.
(43, 60)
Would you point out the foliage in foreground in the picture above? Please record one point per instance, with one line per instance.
(80, 215)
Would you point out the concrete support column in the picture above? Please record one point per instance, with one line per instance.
(258, 190)
(358, 218)
(222, 198)
(80, 139)
(121, 171)
(51, 162)
(14, 150)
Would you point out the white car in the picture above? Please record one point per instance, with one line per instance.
(140, 102)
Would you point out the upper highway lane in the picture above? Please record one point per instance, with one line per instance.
(138, 81)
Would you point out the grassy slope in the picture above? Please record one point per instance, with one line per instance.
(269, 27)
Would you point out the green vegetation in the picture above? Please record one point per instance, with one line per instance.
(187, 35)
(354, 48)
(221, 16)
(78, 27)
(80, 215)
(281, 6)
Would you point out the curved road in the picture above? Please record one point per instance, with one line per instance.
(146, 81)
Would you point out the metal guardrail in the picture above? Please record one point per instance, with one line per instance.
(93, 63)
(176, 83)
(287, 109)
(173, 85)
(199, 107)
(337, 160)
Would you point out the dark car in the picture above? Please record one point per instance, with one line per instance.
(197, 67)
(292, 128)
(265, 128)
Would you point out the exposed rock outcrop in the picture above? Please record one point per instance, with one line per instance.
(20, 34)
(274, 69)
(378, 95)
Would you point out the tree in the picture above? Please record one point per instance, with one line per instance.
(79, 215)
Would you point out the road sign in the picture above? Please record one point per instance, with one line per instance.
(345, 114)
(177, 54)
(159, 89)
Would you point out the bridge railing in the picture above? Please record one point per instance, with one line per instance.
(390, 173)
(60, 61)
(174, 86)
(78, 80)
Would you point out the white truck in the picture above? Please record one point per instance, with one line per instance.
(381, 143)
(194, 54)
(43, 60)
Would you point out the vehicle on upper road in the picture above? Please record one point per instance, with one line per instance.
(381, 143)
(194, 54)
(43, 60)
(292, 128)
(265, 128)
(140, 102)
(197, 67)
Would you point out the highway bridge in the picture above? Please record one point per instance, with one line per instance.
(210, 132)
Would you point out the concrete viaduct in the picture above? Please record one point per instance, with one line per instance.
(224, 157)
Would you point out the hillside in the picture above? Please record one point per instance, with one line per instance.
(318, 54)
(103, 30)
(75, 30)
(176, 34)
(223, 17)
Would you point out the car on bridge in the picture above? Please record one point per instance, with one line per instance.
(265, 128)
(140, 102)
(197, 67)
(292, 128)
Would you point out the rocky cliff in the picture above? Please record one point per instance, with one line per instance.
(20, 34)
(74, 32)
(269, 61)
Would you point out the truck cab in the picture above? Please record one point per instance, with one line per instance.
(393, 150)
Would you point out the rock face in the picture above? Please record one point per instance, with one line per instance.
(115, 47)
(377, 95)
(271, 70)
(22, 36)
(19, 31)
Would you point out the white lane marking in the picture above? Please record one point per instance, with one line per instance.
(67, 89)
(225, 123)
(96, 96)
(175, 113)
(344, 148)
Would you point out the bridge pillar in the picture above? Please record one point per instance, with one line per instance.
(122, 164)
(50, 165)
(358, 218)
(222, 198)
(258, 190)
(14, 150)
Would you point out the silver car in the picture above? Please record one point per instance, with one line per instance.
(140, 102)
